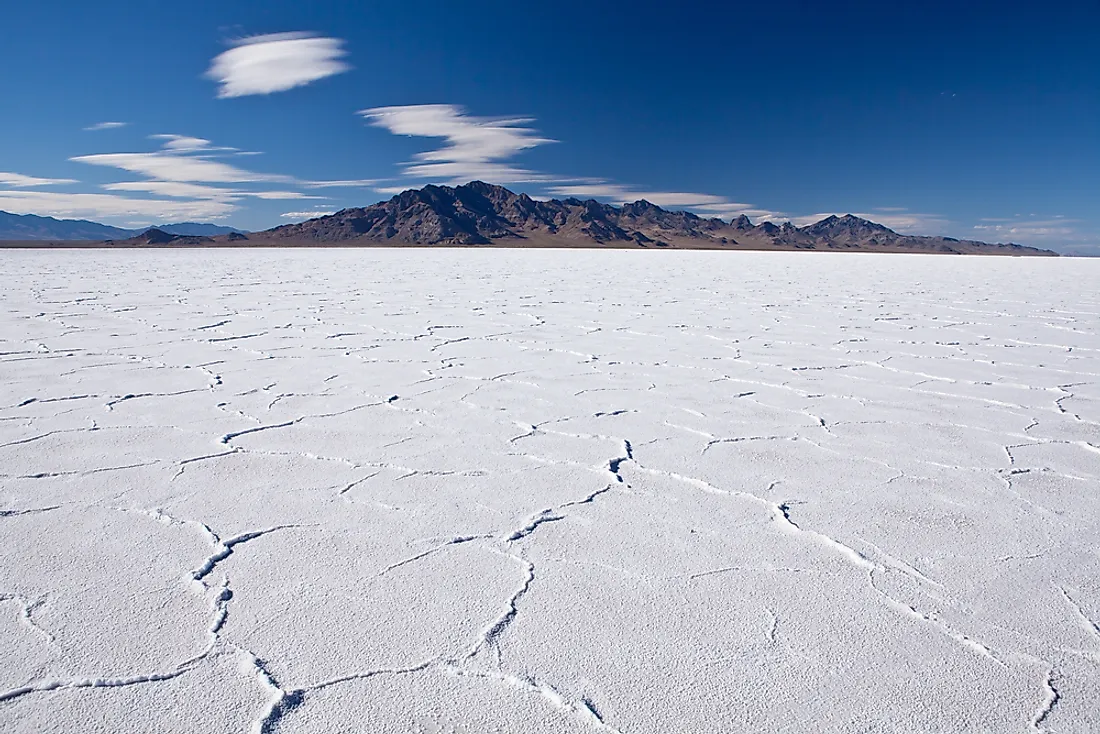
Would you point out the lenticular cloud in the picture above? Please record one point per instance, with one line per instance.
(275, 63)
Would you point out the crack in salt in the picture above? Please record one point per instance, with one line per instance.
(1051, 697)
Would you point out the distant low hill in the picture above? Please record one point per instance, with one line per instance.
(27, 227)
(31, 227)
(196, 229)
(157, 237)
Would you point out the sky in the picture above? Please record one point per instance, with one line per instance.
(977, 122)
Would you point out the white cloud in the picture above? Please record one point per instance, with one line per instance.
(185, 168)
(175, 189)
(106, 126)
(167, 166)
(183, 179)
(186, 143)
(182, 158)
(1031, 229)
(20, 181)
(460, 172)
(392, 190)
(475, 145)
(756, 215)
(275, 63)
(306, 215)
(808, 219)
(924, 224)
(280, 195)
(184, 190)
(354, 183)
(97, 206)
(625, 194)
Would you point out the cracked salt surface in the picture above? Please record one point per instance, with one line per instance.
(476, 491)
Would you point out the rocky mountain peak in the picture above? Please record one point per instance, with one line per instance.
(641, 206)
(154, 236)
(849, 224)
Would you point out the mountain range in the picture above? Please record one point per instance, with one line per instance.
(482, 214)
(26, 227)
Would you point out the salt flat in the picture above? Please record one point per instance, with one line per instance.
(544, 491)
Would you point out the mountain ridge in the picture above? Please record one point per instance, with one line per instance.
(34, 227)
(482, 214)
(478, 213)
(30, 227)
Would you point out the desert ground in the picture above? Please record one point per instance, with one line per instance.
(465, 491)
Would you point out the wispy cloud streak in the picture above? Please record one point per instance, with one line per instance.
(19, 181)
(474, 146)
(105, 126)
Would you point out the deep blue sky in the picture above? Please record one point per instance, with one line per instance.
(981, 121)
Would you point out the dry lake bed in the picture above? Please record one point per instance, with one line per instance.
(450, 491)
